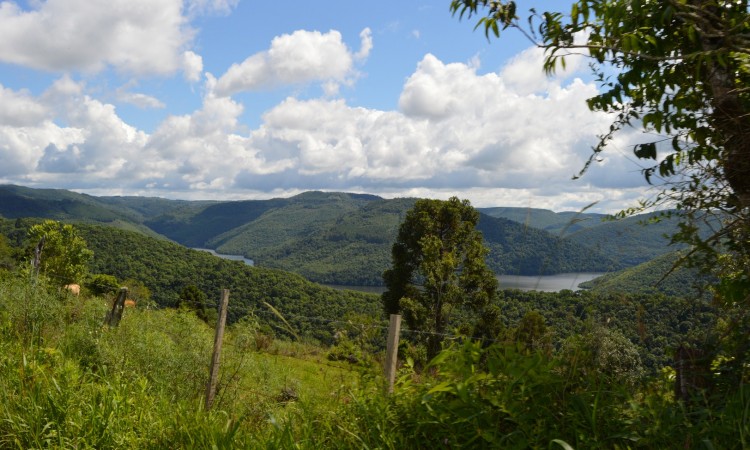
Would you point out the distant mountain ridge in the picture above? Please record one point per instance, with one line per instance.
(334, 237)
(558, 223)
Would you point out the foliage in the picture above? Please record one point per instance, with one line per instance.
(102, 284)
(531, 333)
(679, 70)
(194, 299)
(495, 397)
(165, 269)
(605, 351)
(7, 259)
(63, 255)
(68, 382)
(654, 323)
(437, 266)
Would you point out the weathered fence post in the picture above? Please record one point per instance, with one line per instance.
(37, 262)
(115, 314)
(214, 370)
(391, 356)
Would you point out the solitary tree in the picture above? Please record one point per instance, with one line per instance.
(437, 267)
(61, 253)
(680, 70)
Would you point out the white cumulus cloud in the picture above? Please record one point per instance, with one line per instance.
(457, 132)
(192, 66)
(297, 58)
(134, 36)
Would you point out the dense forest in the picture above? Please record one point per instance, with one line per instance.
(166, 269)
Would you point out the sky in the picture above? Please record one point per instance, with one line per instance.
(241, 99)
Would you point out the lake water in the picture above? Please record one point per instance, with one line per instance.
(249, 262)
(544, 283)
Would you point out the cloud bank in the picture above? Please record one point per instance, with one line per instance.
(498, 138)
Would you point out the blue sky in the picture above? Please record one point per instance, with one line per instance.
(228, 99)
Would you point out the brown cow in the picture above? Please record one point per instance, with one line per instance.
(74, 289)
(129, 303)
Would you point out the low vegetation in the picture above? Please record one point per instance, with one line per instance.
(67, 381)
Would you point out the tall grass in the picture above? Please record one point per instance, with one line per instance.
(67, 381)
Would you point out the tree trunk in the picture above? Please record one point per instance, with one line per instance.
(730, 115)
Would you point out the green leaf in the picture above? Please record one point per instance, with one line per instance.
(645, 151)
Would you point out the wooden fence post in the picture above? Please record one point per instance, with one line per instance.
(391, 356)
(214, 370)
(115, 314)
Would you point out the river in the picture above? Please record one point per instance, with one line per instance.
(249, 262)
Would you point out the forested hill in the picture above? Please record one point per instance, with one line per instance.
(629, 241)
(167, 268)
(658, 275)
(558, 223)
(348, 241)
(336, 238)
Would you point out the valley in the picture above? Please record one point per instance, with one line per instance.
(301, 355)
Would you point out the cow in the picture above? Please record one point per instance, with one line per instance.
(129, 303)
(74, 289)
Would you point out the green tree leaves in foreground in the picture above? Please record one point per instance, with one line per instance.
(680, 70)
(437, 267)
(62, 253)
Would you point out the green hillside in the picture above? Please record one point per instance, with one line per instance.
(59, 204)
(336, 238)
(147, 208)
(166, 268)
(351, 248)
(658, 275)
(286, 220)
(632, 240)
(519, 250)
(340, 242)
(557, 223)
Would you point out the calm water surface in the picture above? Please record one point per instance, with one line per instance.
(545, 283)
(249, 262)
